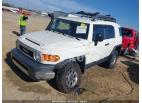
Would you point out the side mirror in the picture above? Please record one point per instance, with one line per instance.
(99, 37)
(51, 15)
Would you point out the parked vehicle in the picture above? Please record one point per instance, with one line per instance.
(130, 41)
(68, 46)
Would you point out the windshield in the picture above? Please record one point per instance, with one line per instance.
(71, 28)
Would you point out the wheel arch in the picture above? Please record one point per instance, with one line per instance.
(117, 48)
(81, 60)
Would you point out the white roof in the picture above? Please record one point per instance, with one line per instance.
(79, 19)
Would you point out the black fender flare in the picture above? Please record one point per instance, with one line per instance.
(117, 48)
(81, 60)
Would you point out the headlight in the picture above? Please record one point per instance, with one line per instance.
(52, 58)
(37, 56)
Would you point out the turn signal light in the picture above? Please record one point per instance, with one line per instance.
(52, 58)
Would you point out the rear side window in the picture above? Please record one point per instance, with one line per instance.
(106, 30)
(120, 31)
(109, 32)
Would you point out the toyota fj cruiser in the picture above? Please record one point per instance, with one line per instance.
(70, 44)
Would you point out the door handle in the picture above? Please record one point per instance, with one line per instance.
(106, 44)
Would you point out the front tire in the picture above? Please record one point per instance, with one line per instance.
(68, 77)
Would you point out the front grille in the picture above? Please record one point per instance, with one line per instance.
(26, 51)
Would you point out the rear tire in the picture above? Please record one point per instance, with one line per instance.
(68, 77)
(112, 60)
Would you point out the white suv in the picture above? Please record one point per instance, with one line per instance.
(70, 45)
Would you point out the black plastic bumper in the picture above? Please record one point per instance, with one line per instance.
(30, 67)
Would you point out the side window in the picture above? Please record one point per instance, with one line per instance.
(97, 30)
(109, 32)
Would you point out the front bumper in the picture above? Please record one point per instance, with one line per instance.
(31, 68)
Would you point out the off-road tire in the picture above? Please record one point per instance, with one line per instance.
(111, 63)
(61, 77)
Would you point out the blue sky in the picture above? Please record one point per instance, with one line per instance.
(125, 11)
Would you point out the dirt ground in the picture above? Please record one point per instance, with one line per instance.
(98, 83)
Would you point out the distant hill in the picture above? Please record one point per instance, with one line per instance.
(37, 11)
(8, 5)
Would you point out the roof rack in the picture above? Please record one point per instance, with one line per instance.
(96, 16)
(56, 14)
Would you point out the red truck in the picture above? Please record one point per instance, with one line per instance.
(130, 41)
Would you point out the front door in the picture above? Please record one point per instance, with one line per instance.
(101, 49)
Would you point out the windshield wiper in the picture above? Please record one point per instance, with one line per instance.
(65, 35)
(57, 31)
(52, 30)
(73, 37)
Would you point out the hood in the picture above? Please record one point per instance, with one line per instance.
(51, 40)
